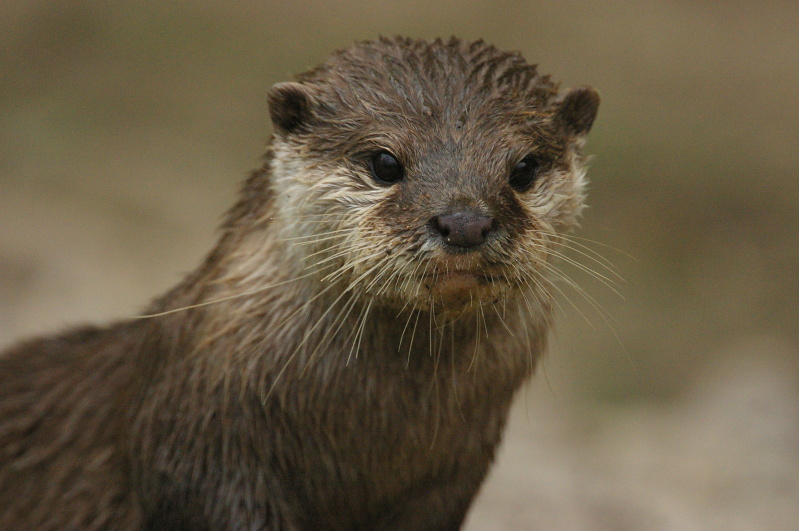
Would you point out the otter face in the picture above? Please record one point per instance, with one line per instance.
(438, 176)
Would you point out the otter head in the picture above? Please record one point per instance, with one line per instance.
(436, 176)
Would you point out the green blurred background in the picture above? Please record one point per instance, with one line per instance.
(125, 128)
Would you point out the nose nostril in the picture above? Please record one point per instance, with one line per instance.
(487, 228)
(463, 229)
(440, 227)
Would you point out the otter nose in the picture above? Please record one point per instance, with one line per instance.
(463, 229)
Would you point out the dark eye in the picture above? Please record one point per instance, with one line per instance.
(523, 175)
(386, 169)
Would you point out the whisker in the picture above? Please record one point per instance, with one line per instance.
(606, 316)
(332, 332)
(574, 285)
(413, 335)
(573, 238)
(310, 239)
(594, 257)
(305, 338)
(527, 342)
(402, 335)
(534, 289)
(608, 282)
(477, 337)
(356, 344)
(223, 299)
(501, 320)
(346, 246)
(593, 254)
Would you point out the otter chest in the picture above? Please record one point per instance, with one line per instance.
(376, 438)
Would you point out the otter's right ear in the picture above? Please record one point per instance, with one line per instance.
(290, 106)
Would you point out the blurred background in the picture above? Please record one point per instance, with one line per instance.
(125, 128)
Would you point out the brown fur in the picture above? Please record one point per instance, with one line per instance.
(333, 364)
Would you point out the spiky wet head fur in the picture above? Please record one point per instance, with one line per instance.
(458, 117)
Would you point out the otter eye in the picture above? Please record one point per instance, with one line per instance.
(523, 175)
(386, 169)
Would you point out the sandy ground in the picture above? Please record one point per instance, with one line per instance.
(723, 457)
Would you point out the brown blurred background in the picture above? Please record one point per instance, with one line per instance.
(126, 126)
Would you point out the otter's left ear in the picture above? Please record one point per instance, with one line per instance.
(575, 111)
(290, 106)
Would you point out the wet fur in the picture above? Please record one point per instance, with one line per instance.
(308, 375)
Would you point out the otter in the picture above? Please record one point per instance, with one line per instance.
(346, 355)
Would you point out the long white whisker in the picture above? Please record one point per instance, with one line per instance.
(359, 326)
(413, 335)
(224, 299)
